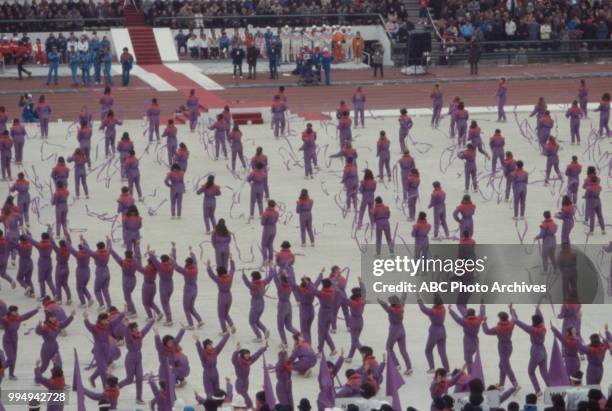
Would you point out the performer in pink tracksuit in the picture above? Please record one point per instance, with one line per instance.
(367, 189)
(572, 172)
(437, 332)
(397, 332)
(359, 99)
(309, 148)
(538, 356)
(210, 191)
(437, 98)
(383, 153)
(438, 203)
(503, 330)
(43, 110)
(464, 214)
(235, 141)
(221, 238)
(575, 113)
(170, 133)
(551, 150)
(193, 109)
(471, 325)
(304, 209)
(406, 124)
(502, 91)
(257, 288)
(153, 113)
(223, 278)
(269, 219)
(175, 180)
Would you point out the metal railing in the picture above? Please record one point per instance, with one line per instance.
(57, 24)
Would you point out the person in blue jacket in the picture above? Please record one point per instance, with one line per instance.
(317, 57)
(73, 60)
(127, 61)
(53, 59)
(108, 59)
(326, 61)
(85, 62)
(97, 63)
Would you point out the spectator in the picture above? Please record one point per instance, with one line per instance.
(181, 42)
(510, 28)
(194, 46)
(237, 58)
(367, 401)
(474, 56)
(378, 58)
(127, 60)
(203, 44)
(214, 44)
(531, 402)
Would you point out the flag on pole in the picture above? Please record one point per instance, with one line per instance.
(77, 383)
(557, 373)
(268, 388)
(394, 381)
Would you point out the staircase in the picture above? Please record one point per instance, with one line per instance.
(142, 37)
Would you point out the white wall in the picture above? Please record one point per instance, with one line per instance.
(165, 44)
(120, 39)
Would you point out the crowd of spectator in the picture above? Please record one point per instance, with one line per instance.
(546, 24)
(47, 15)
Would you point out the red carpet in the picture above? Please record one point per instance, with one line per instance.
(313, 116)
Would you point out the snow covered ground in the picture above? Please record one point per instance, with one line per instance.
(335, 245)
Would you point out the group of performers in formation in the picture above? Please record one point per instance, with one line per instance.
(113, 327)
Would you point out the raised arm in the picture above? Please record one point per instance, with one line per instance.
(222, 343)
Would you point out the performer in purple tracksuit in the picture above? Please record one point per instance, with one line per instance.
(234, 138)
(538, 110)
(464, 213)
(54, 384)
(80, 174)
(343, 115)
(181, 157)
(269, 219)
(503, 330)
(278, 110)
(304, 294)
(149, 288)
(572, 172)
(566, 215)
(132, 171)
(283, 313)
(346, 152)
(223, 279)
(383, 153)
(18, 134)
(258, 179)
(49, 330)
(60, 201)
(133, 358)
(406, 124)
(208, 357)
(106, 103)
(461, 118)
(165, 268)
(469, 168)
(123, 147)
(508, 166)
(571, 316)
(303, 208)
(359, 99)
(102, 275)
(221, 238)
(101, 333)
(84, 138)
(170, 133)
(193, 109)
(437, 98)
(520, 179)
(438, 203)
(367, 188)
(153, 113)
(109, 125)
(257, 289)
(302, 358)
(575, 113)
(175, 180)
(190, 290)
(440, 385)
(283, 389)
(604, 114)
(6, 145)
(593, 207)
(82, 274)
(350, 180)
(537, 356)
(569, 340)
(5, 251)
(595, 352)
(128, 266)
(356, 304)
(131, 223)
(380, 215)
(406, 164)
(475, 138)
(167, 349)
(583, 96)
(497, 143)
(437, 332)
(420, 233)
(327, 301)
(548, 235)
(413, 181)
(397, 332)
(501, 92)
(62, 270)
(309, 147)
(227, 119)
(260, 157)
(59, 172)
(545, 126)
(22, 187)
(11, 322)
(471, 325)
(45, 264)
(452, 109)
(43, 111)
(242, 361)
(551, 150)
(210, 191)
